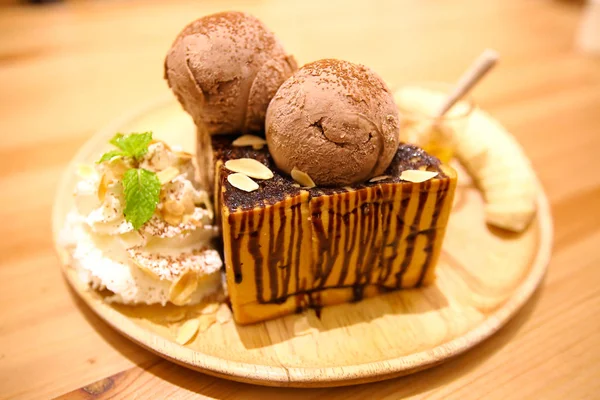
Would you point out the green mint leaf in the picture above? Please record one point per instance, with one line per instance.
(134, 144)
(110, 155)
(115, 139)
(142, 190)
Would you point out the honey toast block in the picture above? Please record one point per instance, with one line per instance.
(287, 248)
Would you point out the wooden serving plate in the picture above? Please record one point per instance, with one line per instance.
(484, 276)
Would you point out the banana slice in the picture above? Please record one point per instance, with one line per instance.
(491, 155)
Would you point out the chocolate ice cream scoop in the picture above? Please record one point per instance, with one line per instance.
(334, 120)
(224, 69)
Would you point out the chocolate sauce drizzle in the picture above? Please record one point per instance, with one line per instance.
(413, 233)
(236, 244)
(432, 232)
(361, 225)
(351, 248)
(387, 262)
(296, 264)
(257, 255)
(352, 234)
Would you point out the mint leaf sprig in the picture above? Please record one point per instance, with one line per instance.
(140, 186)
(109, 155)
(142, 191)
(134, 145)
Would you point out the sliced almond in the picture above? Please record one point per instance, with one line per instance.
(223, 314)
(188, 205)
(182, 289)
(86, 171)
(206, 321)
(187, 331)
(175, 316)
(117, 168)
(183, 155)
(173, 207)
(132, 239)
(103, 187)
(302, 326)
(417, 176)
(242, 182)
(249, 167)
(154, 141)
(172, 220)
(379, 178)
(167, 175)
(302, 178)
(256, 142)
(142, 266)
(210, 308)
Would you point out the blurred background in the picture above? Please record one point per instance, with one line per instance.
(68, 68)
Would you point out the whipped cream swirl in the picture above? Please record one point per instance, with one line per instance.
(147, 265)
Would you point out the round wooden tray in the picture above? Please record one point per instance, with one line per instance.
(484, 277)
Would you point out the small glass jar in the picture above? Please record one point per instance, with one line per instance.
(418, 105)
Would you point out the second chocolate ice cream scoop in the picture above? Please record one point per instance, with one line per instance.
(334, 120)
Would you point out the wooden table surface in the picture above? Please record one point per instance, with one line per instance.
(68, 69)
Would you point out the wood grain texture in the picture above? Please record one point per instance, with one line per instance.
(484, 276)
(68, 69)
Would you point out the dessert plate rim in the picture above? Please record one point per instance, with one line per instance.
(269, 375)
